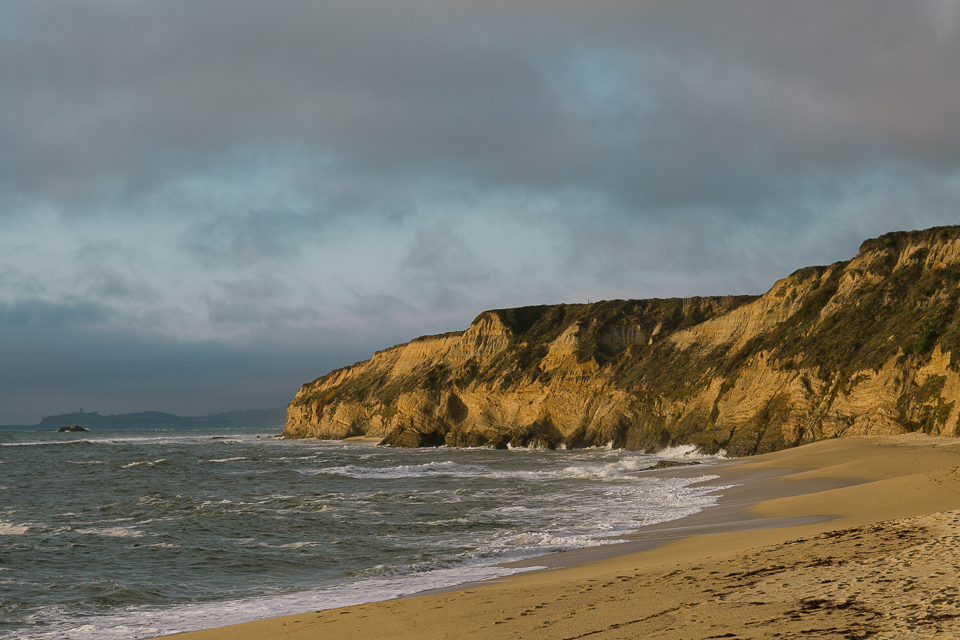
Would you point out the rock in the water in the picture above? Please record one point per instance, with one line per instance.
(666, 464)
(73, 427)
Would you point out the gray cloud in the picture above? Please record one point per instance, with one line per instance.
(246, 238)
(661, 102)
(219, 175)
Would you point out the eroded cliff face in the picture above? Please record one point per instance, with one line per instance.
(860, 347)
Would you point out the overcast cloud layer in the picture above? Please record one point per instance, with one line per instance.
(204, 204)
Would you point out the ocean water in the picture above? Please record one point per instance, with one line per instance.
(136, 532)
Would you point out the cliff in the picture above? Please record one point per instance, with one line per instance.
(867, 346)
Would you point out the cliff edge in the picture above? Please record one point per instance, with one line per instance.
(867, 346)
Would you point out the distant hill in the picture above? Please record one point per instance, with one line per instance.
(259, 416)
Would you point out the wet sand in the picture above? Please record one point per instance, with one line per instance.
(848, 538)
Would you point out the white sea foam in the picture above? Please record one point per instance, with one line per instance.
(293, 545)
(145, 622)
(153, 440)
(11, 529)
(689, 452)
(142, 463)
(617, 469)
(113, 532)
(403, 471)
(229, 459)
(607, 471)
(44, 443)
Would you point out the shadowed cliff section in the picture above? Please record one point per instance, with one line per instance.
(867, 346)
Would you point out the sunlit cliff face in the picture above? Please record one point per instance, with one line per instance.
(860, 347)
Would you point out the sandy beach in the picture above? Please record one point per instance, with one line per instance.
(847, 538)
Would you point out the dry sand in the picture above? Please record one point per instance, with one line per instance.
(849, 538)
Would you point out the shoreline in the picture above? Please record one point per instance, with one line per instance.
(783, 505)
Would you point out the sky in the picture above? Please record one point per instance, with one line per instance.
(205, 204)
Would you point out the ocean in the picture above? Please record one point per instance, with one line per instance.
(136, 532)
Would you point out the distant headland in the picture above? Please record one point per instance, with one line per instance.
(158, 417)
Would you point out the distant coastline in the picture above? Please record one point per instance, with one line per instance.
(158, 417)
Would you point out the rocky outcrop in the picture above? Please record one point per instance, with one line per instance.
(868, 346)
